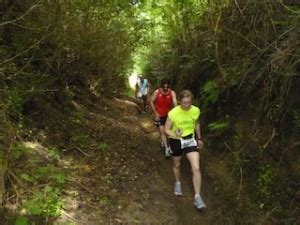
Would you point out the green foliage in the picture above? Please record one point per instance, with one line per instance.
(14, 104)
(54, 153)
(59, 178)
(70, 223)
(60, 46)
(265, 181)
(105, 200)
(77, 121)
(45, 203)
(26, 177)
(19, 151)
(211, 92)
(238, 155)
(218, 126)
(45, 173)
(41, 171)
(21, 220)
(103, 146)
(80, 140)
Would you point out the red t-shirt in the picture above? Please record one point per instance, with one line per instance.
(163, 102)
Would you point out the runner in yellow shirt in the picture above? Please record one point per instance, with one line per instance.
(183, 128)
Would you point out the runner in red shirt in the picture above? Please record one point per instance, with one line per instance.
(162, 101)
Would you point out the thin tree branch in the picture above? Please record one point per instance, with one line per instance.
(21, 17)
(242, 36)
(239, 8)
(288, 8)
(26, 50)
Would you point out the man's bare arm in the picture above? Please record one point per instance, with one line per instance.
(174, 99)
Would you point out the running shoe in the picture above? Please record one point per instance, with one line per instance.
(198, 202)
(177, 188)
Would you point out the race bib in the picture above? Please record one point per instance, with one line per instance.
(191, 142)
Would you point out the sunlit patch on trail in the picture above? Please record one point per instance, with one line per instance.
(146, 125)
(126, 102)
(150, 129)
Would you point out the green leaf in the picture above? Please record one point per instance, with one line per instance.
(54, 153)
(35, 210)
(59, 178)
(218, 126)
(26, 177)
(48, 189)
(21, 221)
(211, 91)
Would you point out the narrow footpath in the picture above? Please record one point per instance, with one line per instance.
(123, 177)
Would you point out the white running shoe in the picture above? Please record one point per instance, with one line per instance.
(198, 202)
(177, 189)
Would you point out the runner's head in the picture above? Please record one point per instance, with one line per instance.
(165, 84)
(141, 77)
(185, 99)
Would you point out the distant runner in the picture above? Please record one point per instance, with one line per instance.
(162, 100)
(183, 128)
(142, 88)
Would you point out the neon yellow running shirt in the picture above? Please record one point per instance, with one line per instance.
(184, 120)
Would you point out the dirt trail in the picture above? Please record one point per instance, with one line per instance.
(130, 181)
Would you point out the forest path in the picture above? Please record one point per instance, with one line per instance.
(125, 179)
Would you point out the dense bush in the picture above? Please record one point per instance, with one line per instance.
(48, 48)
(51, 52)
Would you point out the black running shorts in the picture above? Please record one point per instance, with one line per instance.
(176, 149)
(161, 121)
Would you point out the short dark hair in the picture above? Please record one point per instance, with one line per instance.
(165, 81)
(185, 94)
